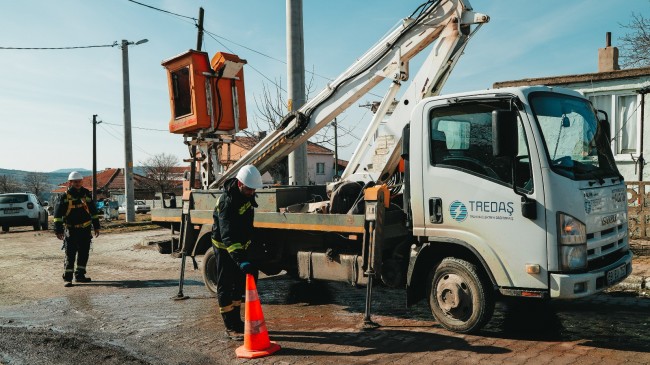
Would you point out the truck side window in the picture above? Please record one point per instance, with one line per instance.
(461, 139)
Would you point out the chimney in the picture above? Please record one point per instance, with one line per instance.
(608, 56)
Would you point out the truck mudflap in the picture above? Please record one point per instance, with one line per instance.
(569, 286)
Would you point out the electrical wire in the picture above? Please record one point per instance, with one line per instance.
(142, 128)
(60, 48)
(164, 11)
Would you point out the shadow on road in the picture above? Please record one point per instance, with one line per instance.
(134, 284)
(376, 342)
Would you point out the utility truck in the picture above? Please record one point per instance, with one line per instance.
(459, 200)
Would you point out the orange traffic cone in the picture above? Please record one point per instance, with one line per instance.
(256, 337)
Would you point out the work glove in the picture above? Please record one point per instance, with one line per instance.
(248, 268)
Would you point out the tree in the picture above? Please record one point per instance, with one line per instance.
(272, 107)
(9, 185)
(36, 182)
(635, 45)
(159, 169)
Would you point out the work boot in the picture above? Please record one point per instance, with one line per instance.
(82, 279)
(232, 330)
(67, 284)
(239, 324)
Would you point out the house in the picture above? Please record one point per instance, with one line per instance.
(320, 161)
(110, 184)
(620, 94)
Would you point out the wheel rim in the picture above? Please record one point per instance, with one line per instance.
(454, 297)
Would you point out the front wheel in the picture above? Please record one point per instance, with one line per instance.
(208, 266)
(460, 298)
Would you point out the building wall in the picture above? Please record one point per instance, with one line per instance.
(327, 174)
(617, 91)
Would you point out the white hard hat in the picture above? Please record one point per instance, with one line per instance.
(74, 175)
(250, 176)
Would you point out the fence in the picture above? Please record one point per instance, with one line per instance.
(638, 209)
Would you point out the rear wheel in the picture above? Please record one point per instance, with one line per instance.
(37, 224)
(44, 224)
(208, 266)
(460, 297)
(5, 228)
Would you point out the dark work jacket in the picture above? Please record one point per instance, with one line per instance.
(75, 210)
(233, 221)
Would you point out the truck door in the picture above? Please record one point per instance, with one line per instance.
(467, 194)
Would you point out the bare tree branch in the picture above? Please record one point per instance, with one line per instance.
(36, 182)
(159, 169)
(9, 185)
(635, 45)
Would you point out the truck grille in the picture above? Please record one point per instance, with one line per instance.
(607, 246)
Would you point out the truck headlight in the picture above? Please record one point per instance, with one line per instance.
(572, 238)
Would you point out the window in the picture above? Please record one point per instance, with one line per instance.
(182, 92)
(320, 168)
(623, 112)
(461, 139)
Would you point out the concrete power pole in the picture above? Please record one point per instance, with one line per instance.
(95, 122)
(128, 149)
(296, 85)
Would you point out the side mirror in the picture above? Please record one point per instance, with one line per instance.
(604, 124)
(504, 133)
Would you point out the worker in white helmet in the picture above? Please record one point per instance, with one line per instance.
(74, 217)
(231, 235)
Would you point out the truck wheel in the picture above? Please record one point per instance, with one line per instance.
(460, 298)
(208, 266)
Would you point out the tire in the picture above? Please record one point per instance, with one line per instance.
(37, 224)
(44, 225)
(5, 228)
(460, 298)
(209, 270)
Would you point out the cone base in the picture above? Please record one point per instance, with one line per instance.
(243, 352)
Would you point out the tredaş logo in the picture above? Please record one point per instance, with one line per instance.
(458, 211)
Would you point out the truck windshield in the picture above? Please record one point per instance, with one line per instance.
(577, 144)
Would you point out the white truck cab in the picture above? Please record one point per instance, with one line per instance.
(547, 216)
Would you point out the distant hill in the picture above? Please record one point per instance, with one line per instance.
(67, 171)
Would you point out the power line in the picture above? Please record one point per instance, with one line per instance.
(146, 129)
(51, 48)
(164, 11)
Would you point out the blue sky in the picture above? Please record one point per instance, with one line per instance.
(48, 97)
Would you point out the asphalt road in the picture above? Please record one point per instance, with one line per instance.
(127, 316)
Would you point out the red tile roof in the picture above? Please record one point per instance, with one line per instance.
(108, 179)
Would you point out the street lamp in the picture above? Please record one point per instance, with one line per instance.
(128, 150)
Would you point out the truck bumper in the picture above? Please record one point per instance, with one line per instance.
(569, 286)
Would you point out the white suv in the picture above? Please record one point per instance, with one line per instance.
(22, 209)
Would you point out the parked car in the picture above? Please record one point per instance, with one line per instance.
(139, 205)
(22, 209)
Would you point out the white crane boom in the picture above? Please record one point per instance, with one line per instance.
(445, 20)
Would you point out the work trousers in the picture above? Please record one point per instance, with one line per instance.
(231, 281)
(77, 247)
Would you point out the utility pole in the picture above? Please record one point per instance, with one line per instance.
(95, 122)
(641, 160)
(296, 85)
(336, 150)
(128, 148)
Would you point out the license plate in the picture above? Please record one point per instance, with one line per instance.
(616, 274)
(11, 210)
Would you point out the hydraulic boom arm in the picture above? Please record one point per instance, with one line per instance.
(445, 20)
